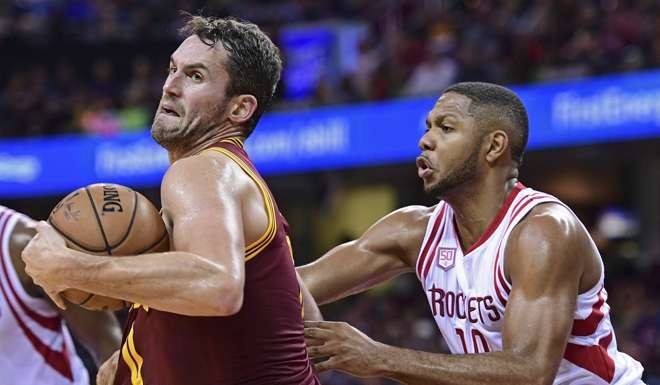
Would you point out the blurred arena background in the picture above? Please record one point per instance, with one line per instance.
(80, 81)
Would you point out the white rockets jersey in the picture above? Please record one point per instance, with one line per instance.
(35, 345)
(468, 292)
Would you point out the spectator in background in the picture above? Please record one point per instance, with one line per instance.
(413, 48)
(437, 71)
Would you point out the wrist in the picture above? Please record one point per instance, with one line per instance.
(384, 360)
(73, 267)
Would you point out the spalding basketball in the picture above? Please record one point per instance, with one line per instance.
(108, 219)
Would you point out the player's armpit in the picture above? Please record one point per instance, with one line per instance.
(387, 249)
(545, 258)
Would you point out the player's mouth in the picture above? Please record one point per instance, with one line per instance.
(423, 167)
(169, 110)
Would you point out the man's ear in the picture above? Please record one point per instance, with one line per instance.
(498, 144)
(242, 108)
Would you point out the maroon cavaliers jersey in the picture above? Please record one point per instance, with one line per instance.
(262, 344)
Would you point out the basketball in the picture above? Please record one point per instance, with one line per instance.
(108, 219)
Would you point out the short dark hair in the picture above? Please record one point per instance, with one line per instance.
(497, 107)
(254, 64)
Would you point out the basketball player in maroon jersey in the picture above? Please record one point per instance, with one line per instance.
(36, 346)
(512, 277)
(224, 306)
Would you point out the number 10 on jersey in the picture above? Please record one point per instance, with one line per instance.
(479, 342)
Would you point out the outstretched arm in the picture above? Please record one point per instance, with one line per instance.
(311, 311)
(385, 250)
(203, 276)
(546, 260)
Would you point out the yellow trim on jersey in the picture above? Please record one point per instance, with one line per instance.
(260, 244)
(300, 297)
(235, 141)
(132, 359)
(288, 242)
(137, 306)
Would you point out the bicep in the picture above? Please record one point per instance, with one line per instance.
(545, 270)
(204, 208)
(378, 255)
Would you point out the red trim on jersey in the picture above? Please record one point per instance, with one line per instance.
(503, 282)
(496, 221)
(497, 271)
(529, 200)
(51, 323)
(593, 358)
(58, 360)
(589, 325)
(434, 231)
(429, 261)
(497, 288)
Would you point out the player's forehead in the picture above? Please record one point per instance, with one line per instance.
(451, 104)
(193, 51)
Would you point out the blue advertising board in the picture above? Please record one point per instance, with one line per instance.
(568, 113)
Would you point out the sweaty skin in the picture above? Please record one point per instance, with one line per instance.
(207, 200)
(549, 259)
(206, 197)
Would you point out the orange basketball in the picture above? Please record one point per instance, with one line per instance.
(108, 219)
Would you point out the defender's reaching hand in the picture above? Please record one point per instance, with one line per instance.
(346, 348)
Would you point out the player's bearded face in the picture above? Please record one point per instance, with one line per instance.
(193, 125)
(450, 146)
(461, 171)
(193, 106)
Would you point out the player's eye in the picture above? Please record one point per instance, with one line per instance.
(196, 76)
(171, 70)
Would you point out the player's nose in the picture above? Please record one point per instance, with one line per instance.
(172, 86)
(425, 143)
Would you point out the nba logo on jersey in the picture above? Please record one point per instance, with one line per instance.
(446, 257)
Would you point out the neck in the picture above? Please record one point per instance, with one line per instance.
(205, 142)
(475, 206)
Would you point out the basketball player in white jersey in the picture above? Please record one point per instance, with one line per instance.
(35, 345)
(512, 277)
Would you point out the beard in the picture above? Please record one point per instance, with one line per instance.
(182, 134)
(464, 172)
(168, 135)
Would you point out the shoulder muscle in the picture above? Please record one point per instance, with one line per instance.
(550, 243)
(402, 232)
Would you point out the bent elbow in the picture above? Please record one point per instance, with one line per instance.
(232, 304)
(228, 298)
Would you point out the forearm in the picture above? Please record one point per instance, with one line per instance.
(311, 310)
(177, 282)
(331, 282)
(422, 368)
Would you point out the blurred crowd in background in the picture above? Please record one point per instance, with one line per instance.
(98, 65)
